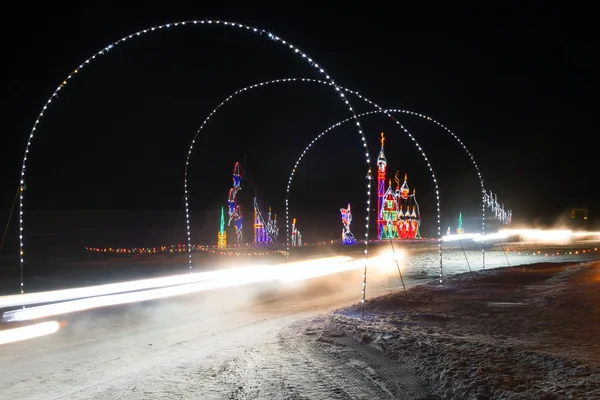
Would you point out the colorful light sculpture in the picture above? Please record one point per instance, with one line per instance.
(260, 233)
(236, 214)
(398, 215)
(347, 236)
(222, 235)
(296, 235)
(265, 229)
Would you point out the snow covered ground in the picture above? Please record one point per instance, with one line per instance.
(513, 333)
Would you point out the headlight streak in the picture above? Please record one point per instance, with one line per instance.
(28, 332)
(539, 235)
(101, 290)
(220, 279)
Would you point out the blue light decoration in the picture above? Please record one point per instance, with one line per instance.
(265, 230)
(347, 236)
(236, 214)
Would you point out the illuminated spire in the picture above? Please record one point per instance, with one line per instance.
(381, 161)
(222, 235)
(405, 177)
(222, 226)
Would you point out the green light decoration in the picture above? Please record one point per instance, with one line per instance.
(222, 235)
(459, 227)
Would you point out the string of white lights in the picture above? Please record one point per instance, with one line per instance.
(379, 110)
(161, 28)
(401, 111)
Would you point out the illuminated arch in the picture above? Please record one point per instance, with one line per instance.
(292, 48)
(400, 111)
(379, 110)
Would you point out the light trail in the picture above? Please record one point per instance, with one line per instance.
(225, 278)
(130, 286)
(537, 235)
(28, 332)
(101, 290)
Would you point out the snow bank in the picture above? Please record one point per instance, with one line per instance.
(518, 333)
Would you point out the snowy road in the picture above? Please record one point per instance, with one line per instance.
(240, 343)
(235, 343)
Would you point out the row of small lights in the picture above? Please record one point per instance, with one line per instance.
(180, 249)
(556, 253)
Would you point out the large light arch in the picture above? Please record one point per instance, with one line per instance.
(161, 28)
(379, 110)
(399, 111)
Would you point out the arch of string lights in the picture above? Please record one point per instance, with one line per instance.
(165, 27)
(378, 110)
(399, 111)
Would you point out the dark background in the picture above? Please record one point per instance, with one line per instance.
(107, 161)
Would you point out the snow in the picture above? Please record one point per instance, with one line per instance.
(513, 333)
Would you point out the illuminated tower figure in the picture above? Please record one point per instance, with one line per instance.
(347, 236)
(296, 235)
(459, 226)
(260, 233)
(222, 235)
(272, 226)
(236, 215)
(381, 174)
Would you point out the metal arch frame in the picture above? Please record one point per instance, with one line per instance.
(369, 176)
(292, 48)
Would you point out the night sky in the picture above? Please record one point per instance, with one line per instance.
(515, 88)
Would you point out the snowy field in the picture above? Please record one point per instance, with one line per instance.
(519, 333)
(265, 341)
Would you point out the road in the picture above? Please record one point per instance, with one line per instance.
(248, 342)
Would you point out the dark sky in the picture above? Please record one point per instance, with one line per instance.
(512, 84)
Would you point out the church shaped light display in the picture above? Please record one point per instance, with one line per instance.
(398, 215)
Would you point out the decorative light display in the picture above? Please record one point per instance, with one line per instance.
(296, 235)
(236, 214)
(459, 226)
(497, 209)
(379, 110)
(347, 236)
(161, 28)
(222, 235)
(265, 229)
(398, 215)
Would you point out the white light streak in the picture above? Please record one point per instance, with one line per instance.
(28, 332)
(101, 290)
(219, 279)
